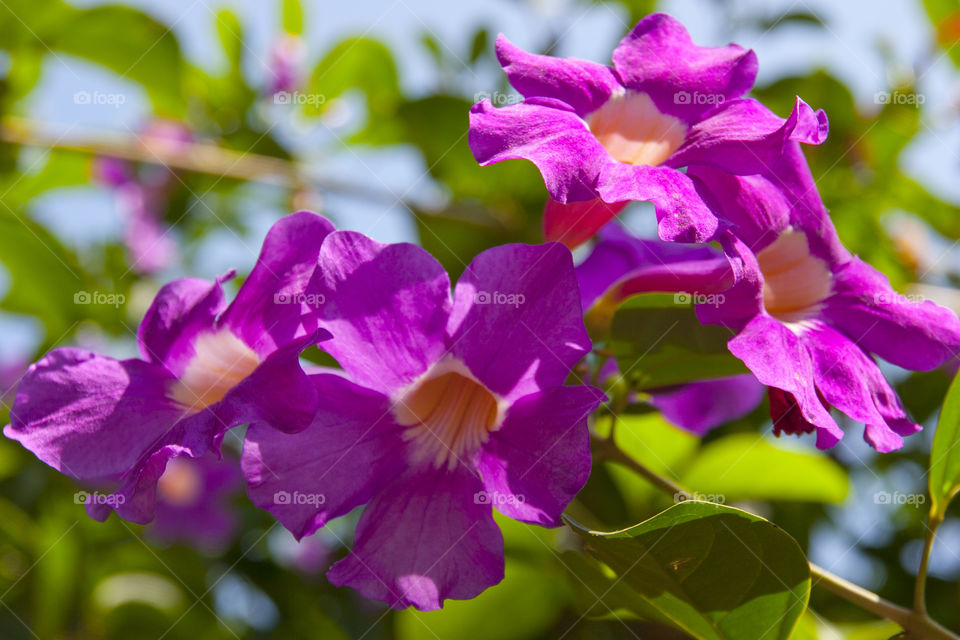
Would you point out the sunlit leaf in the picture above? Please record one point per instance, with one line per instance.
(715, 572)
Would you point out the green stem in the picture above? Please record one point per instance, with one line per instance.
(920, 589)
(605, 449)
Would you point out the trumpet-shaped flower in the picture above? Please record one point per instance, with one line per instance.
(449, 407)
(205, 367)
(603, 136)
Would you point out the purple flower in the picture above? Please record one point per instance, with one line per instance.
(449, 406)
(206, 367)
(698, 406)
(143, 196)
(623, 133)
(192, 502)
(808, 314)
(286, 63)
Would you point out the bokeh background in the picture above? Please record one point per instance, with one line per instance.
(369, 128)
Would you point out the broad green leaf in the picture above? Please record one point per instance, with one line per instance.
(658, 341)
(132, 44)
(945, 454)
(524, 605)
(44, 276)
(292, 17)
(714, 572)
(364, 64)
(745, 466)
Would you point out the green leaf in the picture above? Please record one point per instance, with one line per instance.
(132, 44)
(714, 572)
(658, 341)
(292, 17)
(524, 605)
(230, 32)
(365, 64)
(945, 454)
(745, 466)
(481, 40)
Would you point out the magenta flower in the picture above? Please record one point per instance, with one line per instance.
(449, 407)
(697, 407)
(143, 197)
(808, 314)
(286, 64)
(205, 367)
(624, 133)
(193, 502)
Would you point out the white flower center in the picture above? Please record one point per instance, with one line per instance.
(220, 362)
(181, 484)
(449, 415)
(794, 281)
(634, 131)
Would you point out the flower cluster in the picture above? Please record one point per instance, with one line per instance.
(442, 397)
(449, 401)
(807, 314)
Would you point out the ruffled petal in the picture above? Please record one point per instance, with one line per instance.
(386, 306)
(754, 207)
(744, 299)
(852, 382)
(681, 213)
(427, 537)
(583, 85)
(92, 417)
(746, 138)
(352, 451)
(271, 305)
(659, 57)
(700, 406)
(516, 321)
(548, 134)
(778, 359)
(182, 309)
(136, 499)
(535, 464)
(913, 335)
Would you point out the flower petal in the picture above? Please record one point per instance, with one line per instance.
(278, 392)
(386, 305)
(700, 406)
(681, 213)
(852, 382)
(913, 335)
(352, 451)
(576, 222)
(535, 464)
(516, 320)
(583, 85)
(182, 309)
(136, 499)
(745, 138)
(659, 57)
(549, 135)
(778, 359)
(92, 417)
(618, 252)
(269, 307)
(424, 539)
